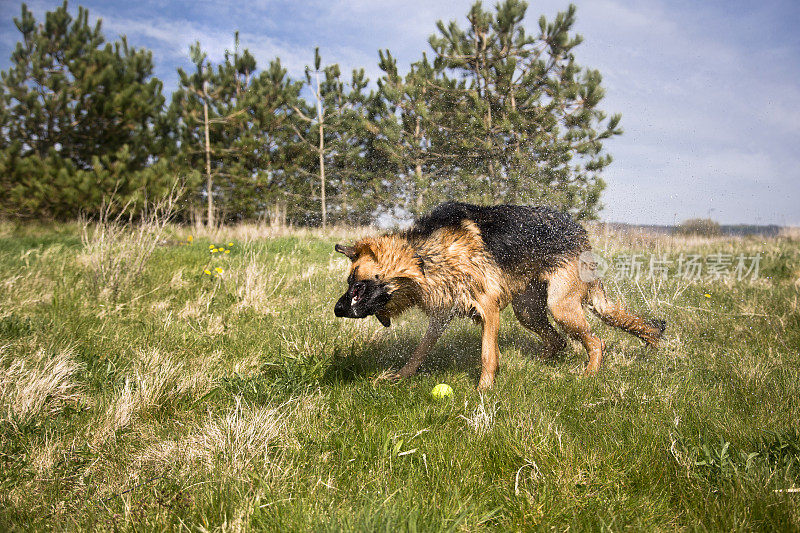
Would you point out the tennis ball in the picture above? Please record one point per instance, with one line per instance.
(442, 390)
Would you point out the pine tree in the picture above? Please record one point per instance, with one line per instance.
(334, 128)
(263, 179)
(522, 117)
(356, 190)
(193, 108)
(79, 121)
(498, 115)
(230, 124)
(406, 130)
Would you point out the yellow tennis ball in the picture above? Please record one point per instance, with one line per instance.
(442, 390)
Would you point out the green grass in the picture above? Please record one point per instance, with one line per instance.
(240, 402)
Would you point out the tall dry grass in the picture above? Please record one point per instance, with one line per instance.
(118, 245)
(790, 233)
(248, 232)
(238, 402)
(39, 384)
(155, 380)
(241, 438)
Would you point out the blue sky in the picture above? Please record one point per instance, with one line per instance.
(709, 91)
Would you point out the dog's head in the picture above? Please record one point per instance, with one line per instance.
(376, 280)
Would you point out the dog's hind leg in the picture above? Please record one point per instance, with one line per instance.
(530, 308)
(565, 294)
(436, 326)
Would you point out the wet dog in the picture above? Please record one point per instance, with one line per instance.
(469, 260)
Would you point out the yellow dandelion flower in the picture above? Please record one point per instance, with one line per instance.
(227, 251)
(707, 295)
(207, 272)
(211, 246)
(189, 238)
(230, 244)
(219, 270)
(214, 251)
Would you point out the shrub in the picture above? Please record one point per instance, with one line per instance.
(704, 227)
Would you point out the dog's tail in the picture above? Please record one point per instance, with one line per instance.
(615, 314)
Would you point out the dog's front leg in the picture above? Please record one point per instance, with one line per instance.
(489, 349)
(436, 326)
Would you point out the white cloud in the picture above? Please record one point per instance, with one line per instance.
(710, 118)
(174, 38)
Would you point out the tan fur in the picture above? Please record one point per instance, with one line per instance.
(460, 277)
(450, 273)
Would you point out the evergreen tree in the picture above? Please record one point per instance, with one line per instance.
(265, 178)
(335, 129)
(193, 108)
(230, 125)
(356, 190)
(79, 120)
(411, 137)
(499, 116)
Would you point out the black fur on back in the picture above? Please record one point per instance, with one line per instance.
(513, 234)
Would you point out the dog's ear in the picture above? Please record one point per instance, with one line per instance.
(349, 251)
(384, 319)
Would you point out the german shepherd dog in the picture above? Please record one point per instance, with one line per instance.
(472, 261)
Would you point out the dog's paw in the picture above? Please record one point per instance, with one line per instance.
(591, 371)
(486, 382)
(386, 376)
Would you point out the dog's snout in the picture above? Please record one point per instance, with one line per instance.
(340, 309)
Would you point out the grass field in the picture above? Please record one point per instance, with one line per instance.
(235, 400)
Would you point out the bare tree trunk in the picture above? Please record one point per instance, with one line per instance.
(321, 150)
(484, 93)
(418, 166)
(322, 177)
(277, 214)
(209, 183)
(514, 174)
(196, 217)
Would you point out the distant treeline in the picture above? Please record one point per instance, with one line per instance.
(491, 114)
(733, 230)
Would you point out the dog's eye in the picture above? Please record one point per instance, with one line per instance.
(377, 277)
